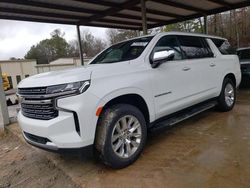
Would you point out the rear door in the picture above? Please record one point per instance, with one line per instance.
(201, 62)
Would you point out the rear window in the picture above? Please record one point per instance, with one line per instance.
(223, 46)
(244, 54)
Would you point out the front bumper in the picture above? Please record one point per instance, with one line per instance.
(49, 146)
(61, 132)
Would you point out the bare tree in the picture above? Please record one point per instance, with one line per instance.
(233, 25)
(117, 35)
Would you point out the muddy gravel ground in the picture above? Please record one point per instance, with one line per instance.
(208, 150)
(23, 166)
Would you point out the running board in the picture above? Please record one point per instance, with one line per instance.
(183, 115)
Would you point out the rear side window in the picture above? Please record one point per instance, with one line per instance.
(223, 46)
(194, 47)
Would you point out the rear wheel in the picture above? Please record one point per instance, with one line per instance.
(121, 135)
(227, 96)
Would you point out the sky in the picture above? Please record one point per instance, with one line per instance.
(16, 37)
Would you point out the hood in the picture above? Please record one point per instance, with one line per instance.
(59, 77)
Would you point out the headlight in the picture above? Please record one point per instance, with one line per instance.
(67, 89)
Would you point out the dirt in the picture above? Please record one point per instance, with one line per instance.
(208, 150)
(24, 166)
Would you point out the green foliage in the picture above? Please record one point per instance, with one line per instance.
(56, 47)
(50, 49)
(13, 58)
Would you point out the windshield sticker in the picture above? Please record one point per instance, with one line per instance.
(139, 44)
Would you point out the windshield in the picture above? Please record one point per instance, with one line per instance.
(244, 54)
(123, 51)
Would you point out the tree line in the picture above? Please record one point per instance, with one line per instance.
(56, 46)
(233, 25)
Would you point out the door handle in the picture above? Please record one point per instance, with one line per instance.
(212, 65)
(186, 68)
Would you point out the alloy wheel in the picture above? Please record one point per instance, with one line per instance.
(126, 136)
(229, 95)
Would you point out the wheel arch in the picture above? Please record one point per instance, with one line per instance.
(132, 99)
(232, 77)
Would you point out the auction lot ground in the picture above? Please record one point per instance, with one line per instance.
(209, 150)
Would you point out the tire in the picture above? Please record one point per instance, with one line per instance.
(121, 135)
(227, 98)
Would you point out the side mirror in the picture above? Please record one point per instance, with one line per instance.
(161, 57)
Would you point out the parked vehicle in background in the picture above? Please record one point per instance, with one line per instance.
(244, 56)
(6, 83)
(134, 86)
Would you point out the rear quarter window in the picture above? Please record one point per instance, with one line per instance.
(224, 46)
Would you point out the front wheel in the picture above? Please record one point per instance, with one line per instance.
(227, 96)
(121, 135)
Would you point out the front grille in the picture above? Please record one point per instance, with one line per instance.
(34, 107)
(44, 111)
(32, 91)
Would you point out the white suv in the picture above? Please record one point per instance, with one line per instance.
(131, 87)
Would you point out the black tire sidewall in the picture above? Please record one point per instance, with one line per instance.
(109, 155)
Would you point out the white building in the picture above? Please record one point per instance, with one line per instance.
(61, 64)
(18, 69)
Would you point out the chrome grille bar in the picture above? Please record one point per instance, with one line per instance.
(36, 107)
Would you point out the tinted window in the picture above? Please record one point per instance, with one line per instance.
(10, 81)
(194, 47)
(18, 78)
(223, 46)
(207, 50)
(123, 51)
(169, 43)
(244, 54)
